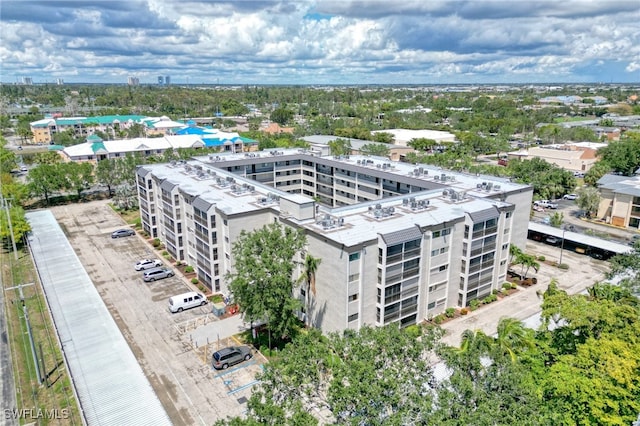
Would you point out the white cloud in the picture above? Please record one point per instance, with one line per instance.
(340, 41)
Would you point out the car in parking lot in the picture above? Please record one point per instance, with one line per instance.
(224, 358)
(122, 233)
(143, 264)
(157, 274)
(552, 240)
(548, 204)
(570, 196)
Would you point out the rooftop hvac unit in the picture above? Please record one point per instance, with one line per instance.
(173, 163)
(327, 217)
(454, 195)
(219, 181)
(358, 162)
(384, 166)
(234, 188)
(412, 199)
(378, 166)
(378, 206)
(478, 186)
(392, 210)
(426, 202)
(377, 214)
(421, 169)
(211, 158)
(263, 200)
(489, 186)
(341, 221)
(405, 201)
(414, 205)
(445, 193)
(198, 167)
(436, 177)
(211, 172)
(496, 187)
(252, 188)
(443, 177)
(201, 174)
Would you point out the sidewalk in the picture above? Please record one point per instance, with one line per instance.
(582, 273)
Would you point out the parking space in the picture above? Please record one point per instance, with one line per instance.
(176, 364)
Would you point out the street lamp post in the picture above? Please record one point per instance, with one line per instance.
(562, 245)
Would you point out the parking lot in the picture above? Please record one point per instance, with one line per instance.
(177, 366)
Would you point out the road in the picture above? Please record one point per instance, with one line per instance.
(189, 389)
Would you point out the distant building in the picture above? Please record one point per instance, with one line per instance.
(167, 80)
(572, 157)
(404, 136)
(133, 81)
(160, 80)
(59, 81)
(620, 200)
(27, 81)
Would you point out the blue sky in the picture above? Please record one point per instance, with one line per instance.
(321, 42)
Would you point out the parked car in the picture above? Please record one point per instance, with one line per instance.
(157, 274)
(222, 359)
(570, 196)
(548, 204)
(578, 174)
(122, 233)
(187, 300)
(552, 240)
(147, 264)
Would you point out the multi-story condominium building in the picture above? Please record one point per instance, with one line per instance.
(398, 243)
(43, 130)
(620, 200)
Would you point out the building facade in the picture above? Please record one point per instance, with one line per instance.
(397, 243)
(620, 201)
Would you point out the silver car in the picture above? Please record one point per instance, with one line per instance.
(157, 274)
(147, 264)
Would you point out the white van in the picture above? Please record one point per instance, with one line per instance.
(186, 301)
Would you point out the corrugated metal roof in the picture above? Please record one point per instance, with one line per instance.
(109, 382)
(402, 236)
(580, 238)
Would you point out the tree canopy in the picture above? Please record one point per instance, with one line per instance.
(263, 278)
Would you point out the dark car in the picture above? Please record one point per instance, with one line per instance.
(157, 274)
(122, 233)
(222, 359)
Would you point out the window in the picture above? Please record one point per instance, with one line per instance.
(508, 215)
(435, 234)
(446, 231)
(353, 297)
(435, 252)
(354, 256)
(354, 277)
(353, 317)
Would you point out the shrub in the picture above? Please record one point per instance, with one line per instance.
(450, 312)
(188, 269)
(506, 286)
(464, 311)
(178, 263)
(438, 319)
(194, 281)
(494, 291)
(490, 298)
(563, 266)
(165, 253)
(474, 304)
(505, 291)
(217, 298)
(156, 242)
(542, 258)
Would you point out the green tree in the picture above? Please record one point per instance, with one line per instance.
(375, 149)
(594, 174)
(588, 200)
(422, 144)
(78, 177)
(8, 159)
(309, 277)
(340, 147)
(49, 157)
(19, 224)
(624, 155)
(556, 219)
(45, 179)
(107, 174)
(263, 282)
(281, 116)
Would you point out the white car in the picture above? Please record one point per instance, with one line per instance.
(146, 264)
(570, 196)
(548, 204)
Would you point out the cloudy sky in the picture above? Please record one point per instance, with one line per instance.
(321, 42)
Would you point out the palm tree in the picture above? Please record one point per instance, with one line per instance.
(309, 276)
(529, 261)
(512, 337)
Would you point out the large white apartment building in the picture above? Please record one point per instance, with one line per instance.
(398, 243)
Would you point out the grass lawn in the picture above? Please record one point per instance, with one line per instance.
(55, 392)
